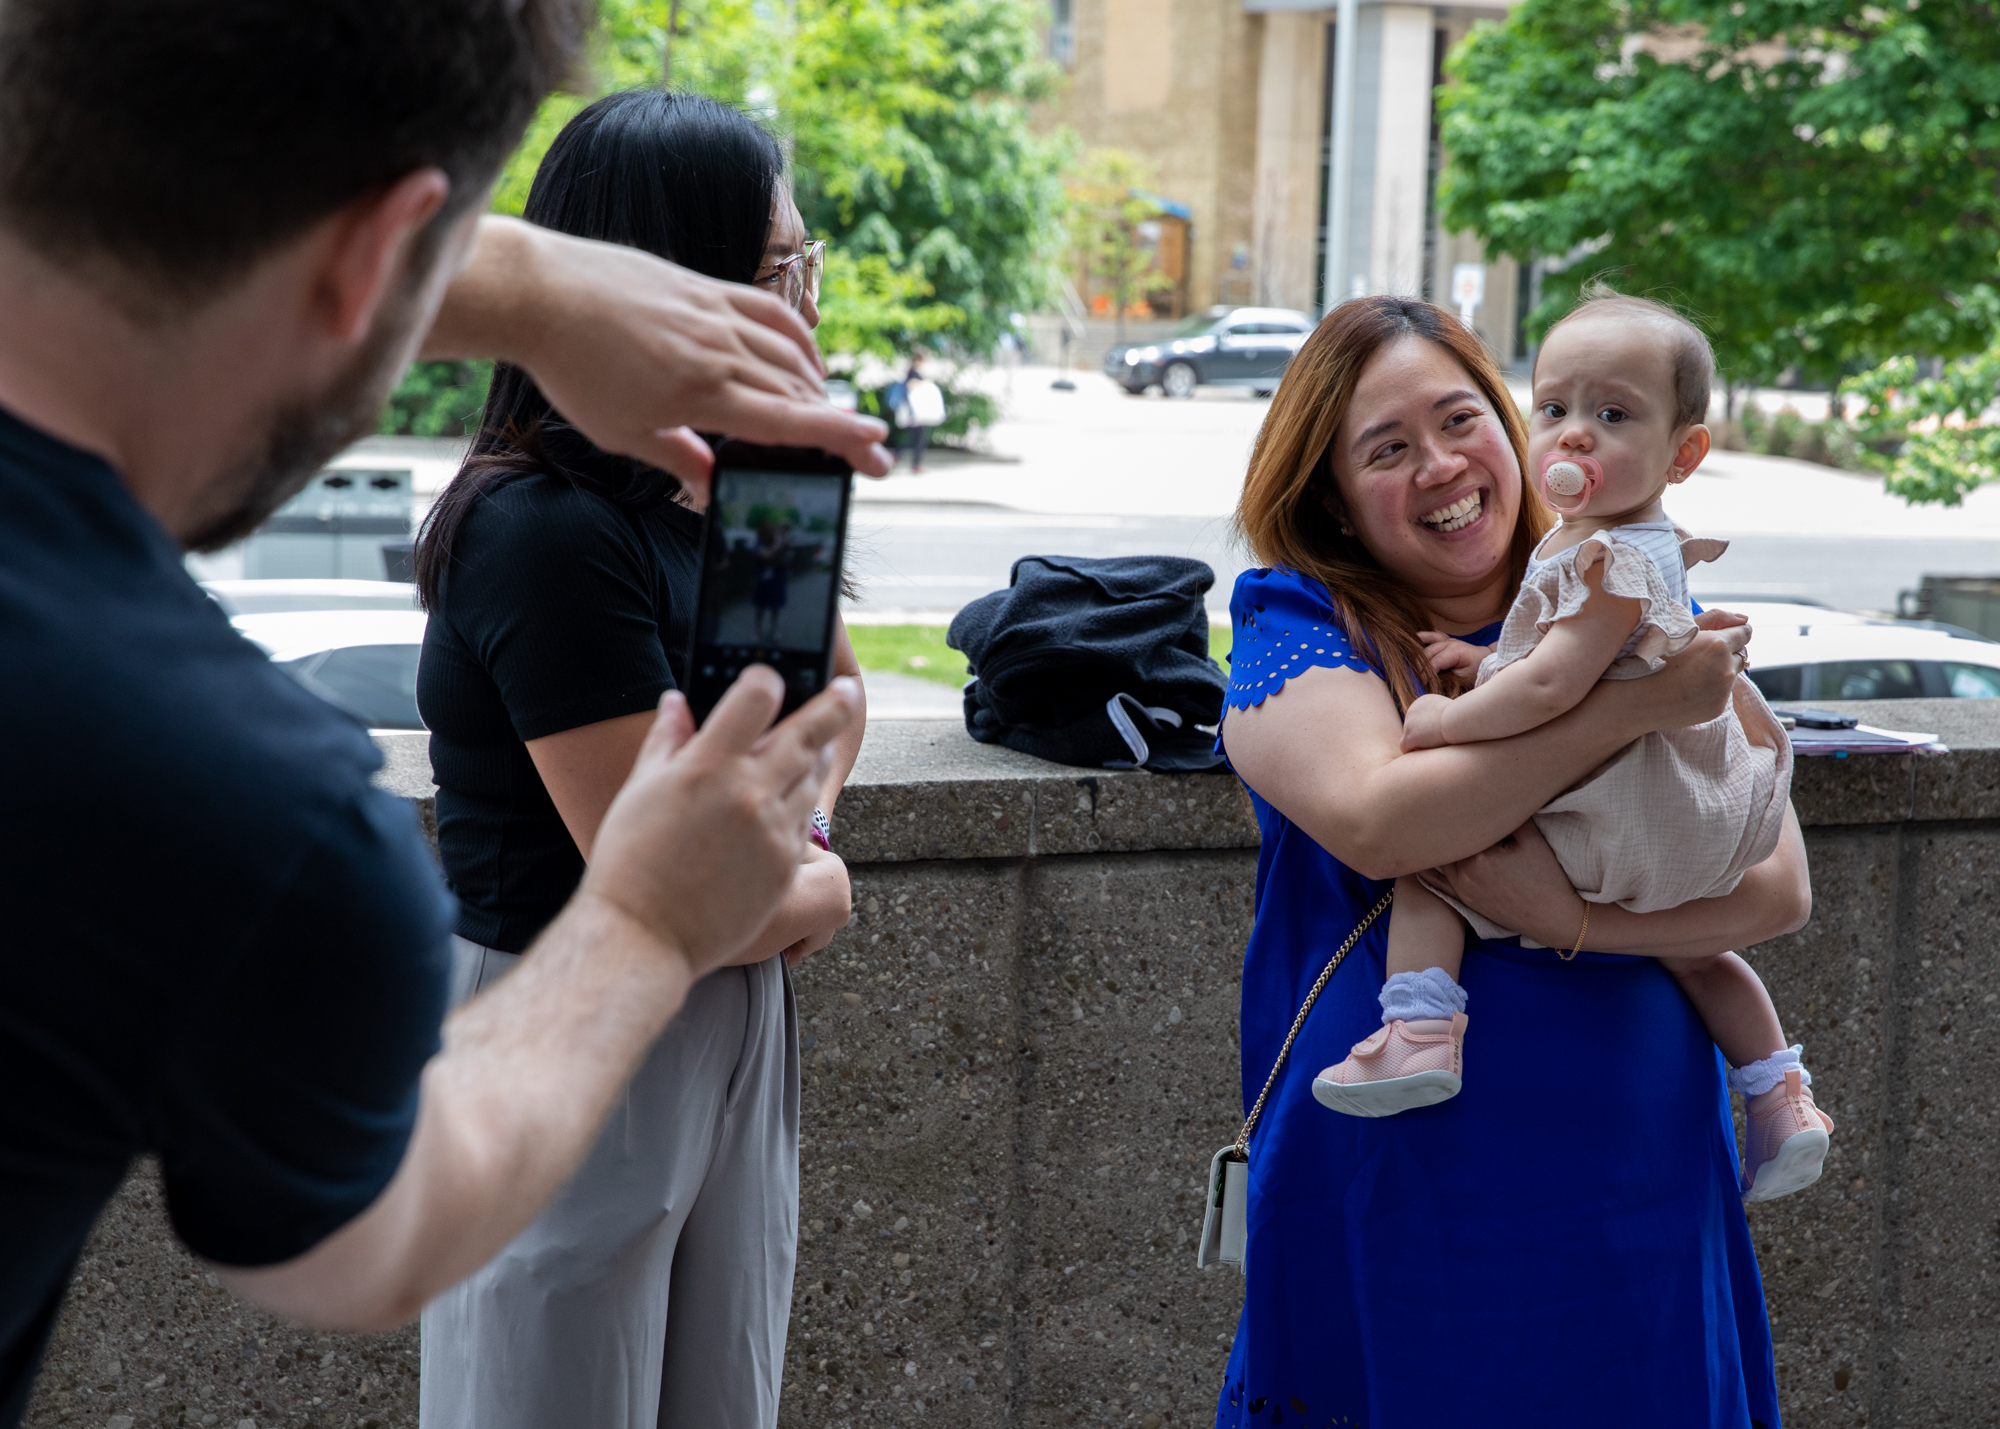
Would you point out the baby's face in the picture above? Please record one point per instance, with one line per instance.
(1604, 388)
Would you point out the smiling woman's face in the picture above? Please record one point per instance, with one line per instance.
(1429, 478)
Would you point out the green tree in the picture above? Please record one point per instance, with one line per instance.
(1818, 180)
(1105, 213)
(437, 399)
(908, 125)
(869, 308)
(1931, 436)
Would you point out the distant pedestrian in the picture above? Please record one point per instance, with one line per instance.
(918, 404)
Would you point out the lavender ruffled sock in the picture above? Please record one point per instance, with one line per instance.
(1756, 1078)
(1410, 997)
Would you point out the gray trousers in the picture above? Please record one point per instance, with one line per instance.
(655, 1291)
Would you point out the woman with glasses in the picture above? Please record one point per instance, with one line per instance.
(561, 586)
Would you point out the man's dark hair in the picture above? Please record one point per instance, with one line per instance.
(176, 142)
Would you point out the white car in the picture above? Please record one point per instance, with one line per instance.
(361, 661)
(1802, 653)
(258, 597)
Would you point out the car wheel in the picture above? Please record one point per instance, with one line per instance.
(1262, 393)
(1134, 390)
(1179, 381)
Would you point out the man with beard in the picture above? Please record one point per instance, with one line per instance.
(225, 227)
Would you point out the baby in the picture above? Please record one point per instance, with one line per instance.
(1621, 391)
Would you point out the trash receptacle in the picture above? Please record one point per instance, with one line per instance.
(336, 528)
(1970, 602)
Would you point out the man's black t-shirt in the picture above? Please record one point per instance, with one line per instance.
(218, 943)
(560, 609)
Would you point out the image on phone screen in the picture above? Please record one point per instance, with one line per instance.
(770, 579)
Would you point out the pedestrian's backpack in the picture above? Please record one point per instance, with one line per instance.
(896, 401)
(1097, 662)
(925, 401)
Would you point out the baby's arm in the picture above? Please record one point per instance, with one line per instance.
(1548, 681)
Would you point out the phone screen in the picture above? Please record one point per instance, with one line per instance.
(770, 577)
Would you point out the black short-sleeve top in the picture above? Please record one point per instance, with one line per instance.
(559, 609)
(219, 944)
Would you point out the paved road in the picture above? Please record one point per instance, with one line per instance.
(924, 561)
(1095, 472)
(1098, 473)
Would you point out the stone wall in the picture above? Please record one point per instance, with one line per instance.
(1021, 1054)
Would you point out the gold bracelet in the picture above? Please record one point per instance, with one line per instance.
(1581, 934)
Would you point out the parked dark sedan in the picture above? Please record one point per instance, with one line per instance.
(1224, 347)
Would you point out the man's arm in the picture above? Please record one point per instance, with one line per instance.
(637, 352)
(689, 861)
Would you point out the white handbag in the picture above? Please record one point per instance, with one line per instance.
(1225, 1226)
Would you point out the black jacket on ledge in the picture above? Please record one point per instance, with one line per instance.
(1102, 663)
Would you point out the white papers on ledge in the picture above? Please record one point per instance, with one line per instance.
(1862, 739)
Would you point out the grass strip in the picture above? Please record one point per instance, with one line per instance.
(920, 650)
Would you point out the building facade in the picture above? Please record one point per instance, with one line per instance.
(1230, 102)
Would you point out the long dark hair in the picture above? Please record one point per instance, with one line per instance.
(1291, 511)
(679, 175)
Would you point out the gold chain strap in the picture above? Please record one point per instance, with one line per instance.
(1242, 1147)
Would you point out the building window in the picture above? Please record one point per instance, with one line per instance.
(1062, 32)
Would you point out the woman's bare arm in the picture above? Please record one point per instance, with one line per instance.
(584, 768)
(1326, 753)
(1519, 884)
(847, 748)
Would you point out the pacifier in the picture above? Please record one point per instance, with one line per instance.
(1569, 481)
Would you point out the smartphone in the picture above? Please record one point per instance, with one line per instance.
(775, 537)
(1818, 719)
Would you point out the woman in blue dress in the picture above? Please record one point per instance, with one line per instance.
(1562, 1244)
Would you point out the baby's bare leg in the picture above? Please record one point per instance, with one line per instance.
(1424, 931)
(1732, 1002)
(1786, 1135)
(1415, 1059)
(1426, 944)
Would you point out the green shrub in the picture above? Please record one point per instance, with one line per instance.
(437, 399)
(1786, 433)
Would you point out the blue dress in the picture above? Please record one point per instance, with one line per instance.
(1561, 1244)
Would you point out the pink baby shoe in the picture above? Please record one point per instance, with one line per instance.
(1402, 1065)
(1785, 1138)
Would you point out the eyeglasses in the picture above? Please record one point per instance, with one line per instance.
(796, 279)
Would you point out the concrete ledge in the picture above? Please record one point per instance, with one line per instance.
(1019, 1056)
(1904, 788)
(924, 789)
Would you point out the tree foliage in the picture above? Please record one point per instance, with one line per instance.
(1815, 179)
(908, 126)
(1933, 437)
(437, 399)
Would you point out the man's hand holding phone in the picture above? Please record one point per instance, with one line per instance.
(691, 858)
(708, 831)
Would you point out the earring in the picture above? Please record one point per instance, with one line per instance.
(1345, 529)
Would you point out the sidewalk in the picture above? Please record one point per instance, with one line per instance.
(1097, 451)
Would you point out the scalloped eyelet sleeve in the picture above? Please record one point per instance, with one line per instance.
(1283, 625)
